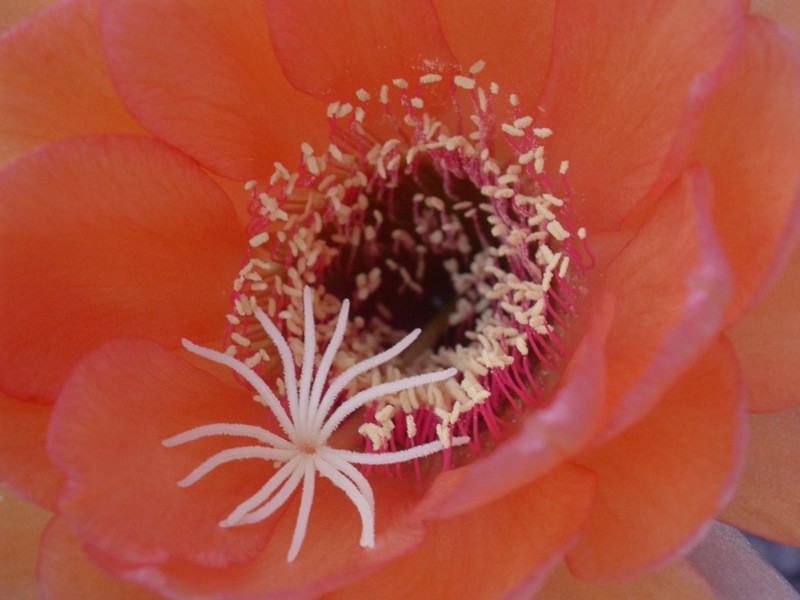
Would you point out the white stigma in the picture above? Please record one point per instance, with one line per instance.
(304, 450)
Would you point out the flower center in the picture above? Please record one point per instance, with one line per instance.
(447, 223)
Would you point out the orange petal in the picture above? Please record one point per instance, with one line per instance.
(53, 81)
(514, 37)
(671, 284)
(24, 464)
(627, 85)
(769, 491)
(122, 496)
(676, 582)
(661, 481)
(331, 48)
(15, 11)
(546, 437)
(501, 550)
(21, 526)
(750, 141)
(765, 339)
(106, 236)
(734, 570)
(66, 574)
(211, 86)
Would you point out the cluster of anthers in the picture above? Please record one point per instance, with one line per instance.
(453, 223)
(303, 450)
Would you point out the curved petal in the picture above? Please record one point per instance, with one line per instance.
(65, 573)
(211, 86)
(623, 103)
(546, 437)
(768, 495)
(675, 257)
(784, 12)
(527, 531)
(105, 236)
(735, 571)
(331, 48)
(514, 37)
(21, 526)
(676, 582)
(750, 143)
(24, 464)
(53, 81)
(660, 482)
(122, 496)
(765, 339)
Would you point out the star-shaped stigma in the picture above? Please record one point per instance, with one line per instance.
(308, 426)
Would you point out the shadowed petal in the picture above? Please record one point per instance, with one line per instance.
(21, 526)
(24, 464)
(65, 573)
(676, 582)
(765, 339)
(768, 496)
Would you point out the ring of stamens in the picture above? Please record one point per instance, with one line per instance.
(507, 252)
(303, 450)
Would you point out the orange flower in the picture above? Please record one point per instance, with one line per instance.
(582, 206)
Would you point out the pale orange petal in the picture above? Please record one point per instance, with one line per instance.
(768, 496)
(765, 339)
(676, 582)
(24, 464)
(784, 12)
(15, 11)
(65, 573)
(21, 526)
